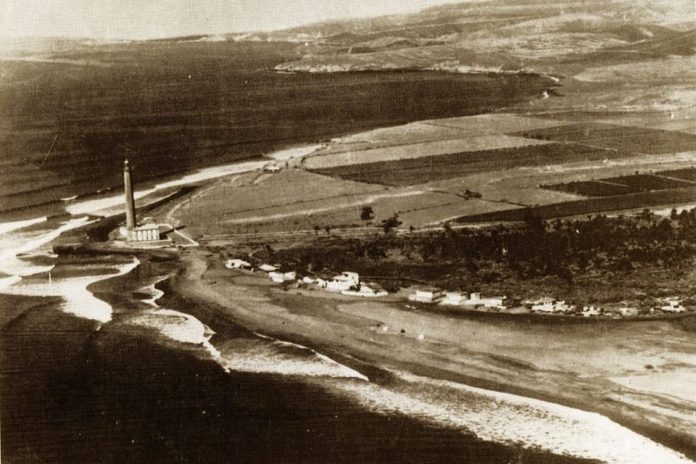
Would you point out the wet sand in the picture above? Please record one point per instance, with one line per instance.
(76, 390)
(565, 364)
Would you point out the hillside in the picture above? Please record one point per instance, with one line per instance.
(528, 35)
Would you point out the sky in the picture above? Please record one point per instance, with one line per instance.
(145, 19)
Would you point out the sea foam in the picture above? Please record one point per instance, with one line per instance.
(17, 243)
(271, 356)
(515, 420)
(175, 325)
(102, 206)
(77, 299)
(6, 227)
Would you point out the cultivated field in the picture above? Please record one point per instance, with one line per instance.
(591, 188)
(589, 206)
(686, 174)
(620, 138)
(499, 123)
(444, 128)
(424, 169)
(623, 185)
(258, 198)
(464, 169)
(417, 150)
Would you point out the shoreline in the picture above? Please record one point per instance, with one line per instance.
(358, 353)
(186, 286)
(192, 280)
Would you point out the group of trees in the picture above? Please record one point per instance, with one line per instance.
(367, 213)
(566, 247)
(388, 224)
(560, 249)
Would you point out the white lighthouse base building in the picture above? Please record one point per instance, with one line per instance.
(144, 233)
(148, 232)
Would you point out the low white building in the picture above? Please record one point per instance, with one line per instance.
(144, 233)
(627, 311)
(591, 311)
(267, 268)
(539, 301)
(672, 305)
(271, 167)
(545, 307)
(365, 291)
(237, 264)
(475, 299)
(344, 281)
(549, 305)
(279, 277)
(563, 307)
(453, 299)
(427, 295)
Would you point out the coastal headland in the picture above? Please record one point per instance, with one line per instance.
(462, 235)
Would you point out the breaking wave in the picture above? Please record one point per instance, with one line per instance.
(489, 415)
(177, 326)
(77, 299)
(262, 355)
(174, 325)
(270, 356)
(14, 244)
(6, 227)
(511, 419)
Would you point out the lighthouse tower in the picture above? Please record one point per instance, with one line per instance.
(130, 202)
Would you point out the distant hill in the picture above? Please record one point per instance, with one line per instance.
(527, 35)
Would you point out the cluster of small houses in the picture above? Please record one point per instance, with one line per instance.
(551, 306)
(434, 295)
(346, 283)
(542, 305)
(349, 283)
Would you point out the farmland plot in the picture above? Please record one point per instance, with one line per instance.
(645, 182)
(432, 168)
(619, 138)
(499, 123)
(623, 185)
(417, 150)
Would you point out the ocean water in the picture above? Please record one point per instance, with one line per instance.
(151, 385)
(96, 369)
(174, 109)
(494, 417)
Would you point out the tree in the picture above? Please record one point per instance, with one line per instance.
(367, 213)
(327, 228)
(534, 222)
(391, 223)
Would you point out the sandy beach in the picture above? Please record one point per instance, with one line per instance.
(599, 367)
(147, 385)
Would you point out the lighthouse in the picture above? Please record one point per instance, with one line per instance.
(128, 191)
(148, 231)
